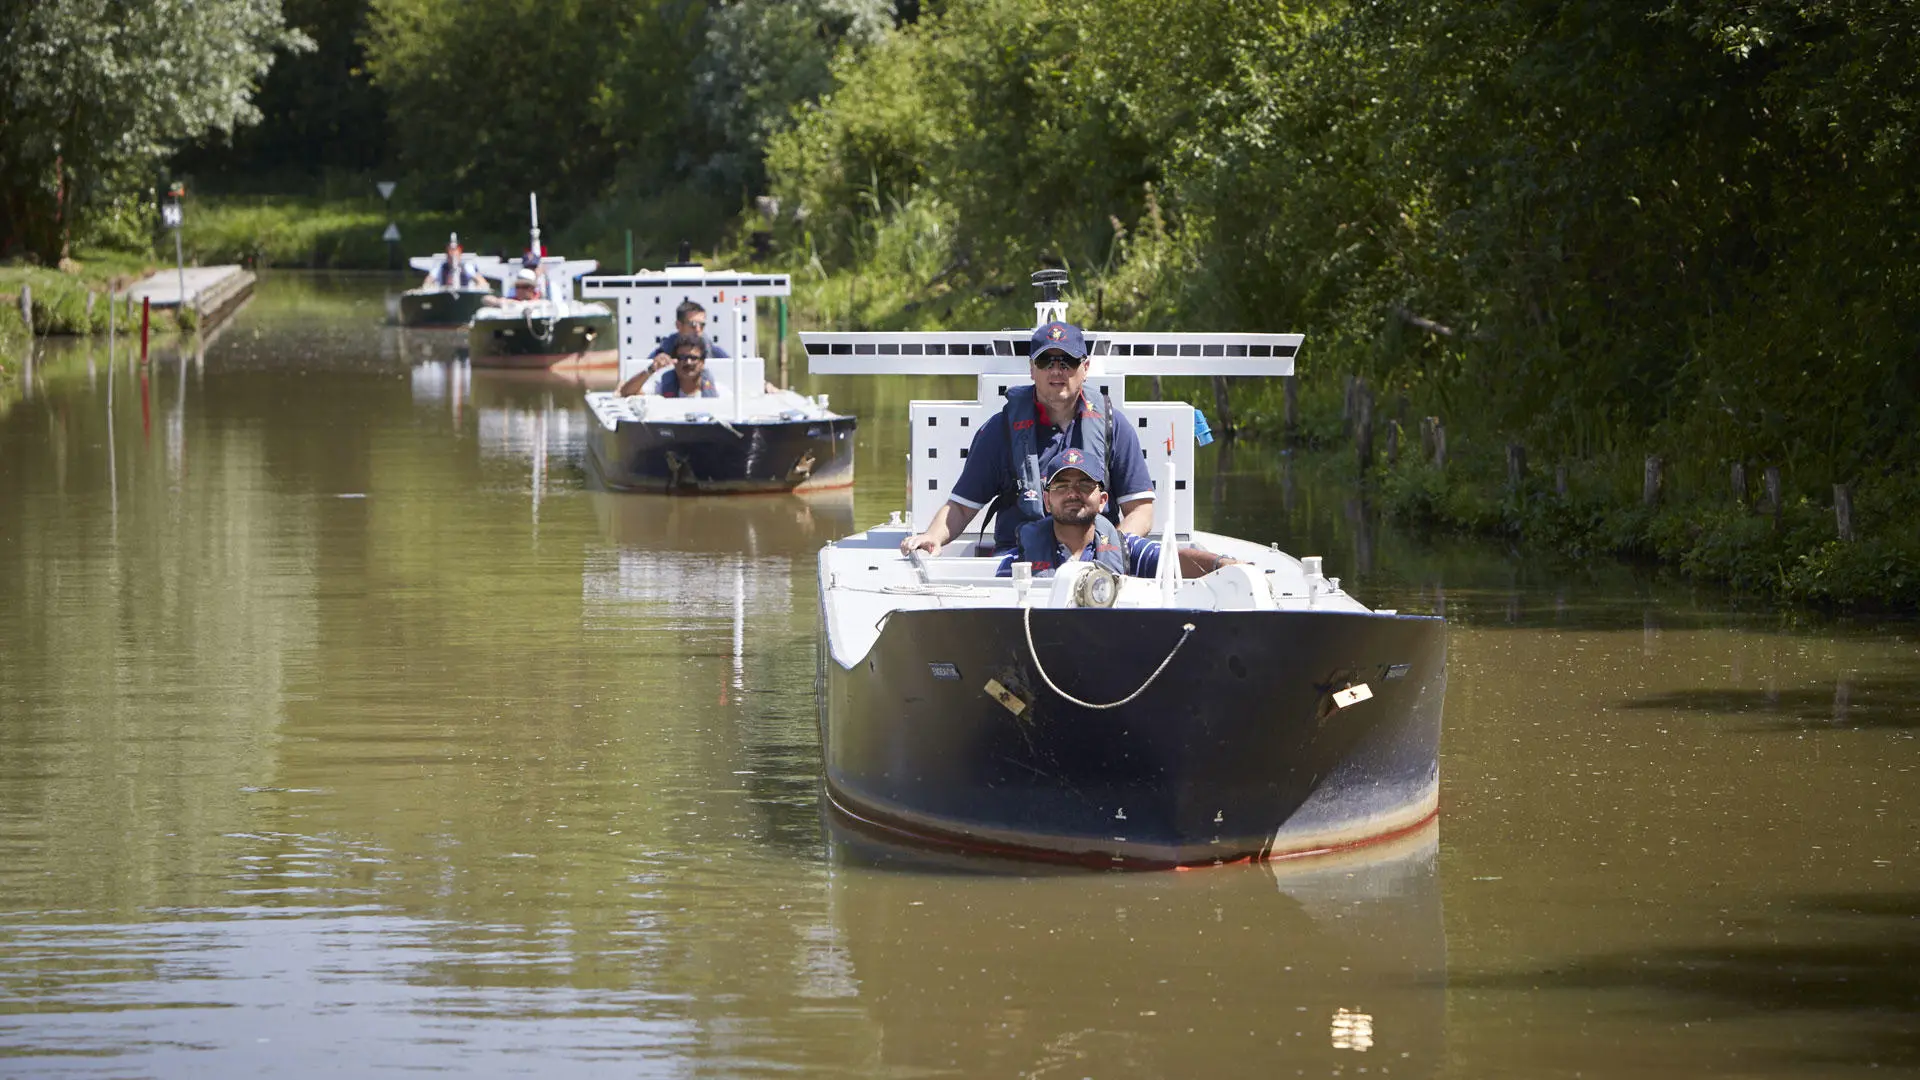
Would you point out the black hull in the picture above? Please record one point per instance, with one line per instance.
(683, 458)
(567, 342)
(439, 308)
(1236, 751)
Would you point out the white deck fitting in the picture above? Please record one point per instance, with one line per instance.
(758, 407)
(556, 290)
(865, 578)
(647, 301)
(487, 266)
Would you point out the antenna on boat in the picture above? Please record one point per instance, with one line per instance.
(1049, 308)
(533, 206)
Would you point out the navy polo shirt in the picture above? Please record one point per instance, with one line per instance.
(1143, 556)
(714, 351)
(989, 460)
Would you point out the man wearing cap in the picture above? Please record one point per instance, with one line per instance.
(1076, 529)
(1024, 442)
(454, 272)
(526, 288)
(687, 378)
(689, 320)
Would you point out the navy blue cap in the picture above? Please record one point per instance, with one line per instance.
(1076, 458)
(1058, 335)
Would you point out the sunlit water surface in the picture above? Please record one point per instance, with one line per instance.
(346, 729)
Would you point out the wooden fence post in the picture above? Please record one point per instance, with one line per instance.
(1224, 404)
(1843, 511)
(1363, 426)
(1650, 481)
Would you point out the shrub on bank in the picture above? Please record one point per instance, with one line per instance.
(1792, 553)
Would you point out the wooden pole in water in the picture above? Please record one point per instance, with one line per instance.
(1650, 481)
(1560, 480)
(1843, 511)
(26, 309)
(1363, 425)
(146, 320)
(1771, 480)
(1221, 402)
(1292, 390)
(1517, 469)
(1737, 480)
(1439, 444)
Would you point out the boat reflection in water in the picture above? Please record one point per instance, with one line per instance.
(1335, 964)
(680, 564)
(791, 527)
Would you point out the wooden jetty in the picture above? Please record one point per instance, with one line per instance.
(213, 291)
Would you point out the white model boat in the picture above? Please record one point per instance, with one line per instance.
(751, 438)
(1257, 712)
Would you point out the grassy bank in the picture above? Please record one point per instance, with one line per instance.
(313, 233)
(1698, 524)
(73, 299)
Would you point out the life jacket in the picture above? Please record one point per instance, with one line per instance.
(1041, 547)
(455, 274)
(670, 385)
(1019, 500)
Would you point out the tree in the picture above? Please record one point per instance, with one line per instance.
(96, 92)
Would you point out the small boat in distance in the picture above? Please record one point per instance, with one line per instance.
(751, 437)
(455, 288)
(1255, 712)
(535, 322)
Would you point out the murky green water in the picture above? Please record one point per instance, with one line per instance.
(344, 729)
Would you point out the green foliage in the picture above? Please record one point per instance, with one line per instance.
(287, 231)
(759, 59)
(320, 114)
(96, 91)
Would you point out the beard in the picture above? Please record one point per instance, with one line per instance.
(1075, 513)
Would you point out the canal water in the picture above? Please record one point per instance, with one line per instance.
(347, 729)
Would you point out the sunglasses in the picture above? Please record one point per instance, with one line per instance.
(1055, 360)
(1078, 487)
(697, 324)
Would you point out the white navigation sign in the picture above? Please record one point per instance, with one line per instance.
(386, 188)
(392, 233)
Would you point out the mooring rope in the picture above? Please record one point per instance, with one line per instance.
(1026, 618)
